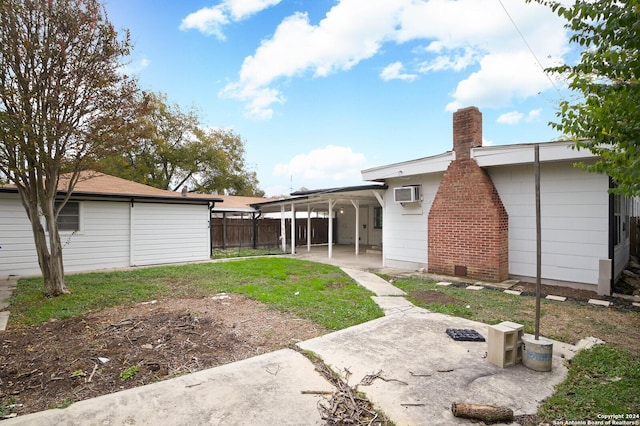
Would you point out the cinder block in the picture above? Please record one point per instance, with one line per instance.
(503, 345)
(519, 329)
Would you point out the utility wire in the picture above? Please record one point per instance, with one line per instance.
(529, 47)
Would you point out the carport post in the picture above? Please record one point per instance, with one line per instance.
(356, 205)
(283, 231)
(308, 227)
(330, 236)
(293, 228)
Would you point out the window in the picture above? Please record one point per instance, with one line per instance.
(621, 209)
(377, 218)
(69, 217)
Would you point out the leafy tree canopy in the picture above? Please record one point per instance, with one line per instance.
(63, 101)
(172, 151)
(606, 117)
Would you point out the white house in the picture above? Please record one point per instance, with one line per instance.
(108, 223)
(471, 212)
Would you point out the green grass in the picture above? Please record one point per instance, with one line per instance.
(487, 305)
(321, 293)
(243, 252)
(601, 380)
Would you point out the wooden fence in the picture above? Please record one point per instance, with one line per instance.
(265, 233)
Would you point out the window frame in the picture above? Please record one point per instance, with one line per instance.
(71, 227)
(377, 217)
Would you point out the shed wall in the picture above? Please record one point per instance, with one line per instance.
(161, 233)
(165, 233)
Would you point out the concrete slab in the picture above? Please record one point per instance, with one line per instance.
(4, 319)
(392, 305)
(373, 283)
(265, 390)
(437, 370)
(443, 283)
(514, 292)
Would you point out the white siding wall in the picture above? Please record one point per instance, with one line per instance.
(164, 233)
(405, 227)
(103, 241)
(17, 249)
(575, 210)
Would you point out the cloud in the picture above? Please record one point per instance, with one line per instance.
(473, 38)
(393, 72)
(135, 67)
(515, 117)
(331, 163)
(210, 20)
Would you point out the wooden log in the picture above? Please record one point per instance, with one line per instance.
(486, 413)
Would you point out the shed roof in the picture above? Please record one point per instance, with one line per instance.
(92, 184)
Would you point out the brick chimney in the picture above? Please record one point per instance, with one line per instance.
(468, 224)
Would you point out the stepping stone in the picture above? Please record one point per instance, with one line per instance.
(599, 302)
(443, 283)
(636, 304)
(514, 292)
(474, 287)
(558, 298)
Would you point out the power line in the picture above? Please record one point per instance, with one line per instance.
(529, 47)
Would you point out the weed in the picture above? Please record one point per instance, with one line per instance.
(129, 373)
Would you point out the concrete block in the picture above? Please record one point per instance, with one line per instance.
(443, 283)
(504, 345)
(4, 319)
(514, 292)
(604, 277)
(558, 298)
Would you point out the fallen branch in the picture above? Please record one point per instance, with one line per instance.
(95, 368)
(309, 392)
(369, 378)
(486, 413)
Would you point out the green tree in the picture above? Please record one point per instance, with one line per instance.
(606, 117)
(63, 101)
(173, 151)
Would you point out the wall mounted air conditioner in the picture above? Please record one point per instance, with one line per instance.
(406, 194)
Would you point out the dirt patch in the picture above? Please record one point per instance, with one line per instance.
(60, 362)
(432, 296)
(545, 290)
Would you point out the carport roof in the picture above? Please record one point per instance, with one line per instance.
(363, 193)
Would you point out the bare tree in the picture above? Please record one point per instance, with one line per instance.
(63, 101)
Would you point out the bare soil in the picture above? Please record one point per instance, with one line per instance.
(60, 362)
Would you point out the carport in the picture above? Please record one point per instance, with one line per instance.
(355, 205)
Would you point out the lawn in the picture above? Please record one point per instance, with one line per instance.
(602, 380)
(321, 293)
